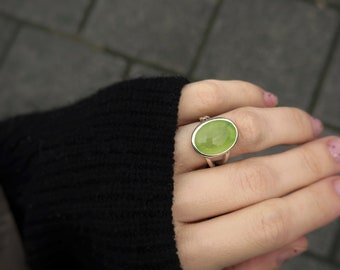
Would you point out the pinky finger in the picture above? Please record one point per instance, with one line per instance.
(275, 259)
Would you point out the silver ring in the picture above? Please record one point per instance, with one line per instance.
(213, 139)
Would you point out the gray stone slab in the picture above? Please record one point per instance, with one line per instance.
(167, 32)
(335, 2)
(331, 132)
(305, 262)
(145, 71)
(321, 241)
(45, 71)
(280, 45)
(328, 105)
(337, 253)
(62, 14)
(7, 29)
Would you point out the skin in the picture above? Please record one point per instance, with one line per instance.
(251, 214)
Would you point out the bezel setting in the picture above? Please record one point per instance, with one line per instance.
(207, 121)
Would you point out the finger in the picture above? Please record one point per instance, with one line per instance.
(259, 129)
(275, 259)
(224, 189)
(213, 97)
(261, 228)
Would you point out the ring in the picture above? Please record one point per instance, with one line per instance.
(213, 138)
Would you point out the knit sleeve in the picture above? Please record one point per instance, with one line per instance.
(90, 185)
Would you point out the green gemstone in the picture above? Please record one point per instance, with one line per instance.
(215, 136)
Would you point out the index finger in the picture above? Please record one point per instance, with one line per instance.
(214, 97)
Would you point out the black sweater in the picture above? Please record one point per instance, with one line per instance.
(90, 185)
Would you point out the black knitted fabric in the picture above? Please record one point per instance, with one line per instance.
(90, 185)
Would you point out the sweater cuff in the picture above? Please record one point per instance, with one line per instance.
(90, 185)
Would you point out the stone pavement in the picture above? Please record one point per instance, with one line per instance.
(55, 52)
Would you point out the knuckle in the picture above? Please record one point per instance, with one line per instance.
(255, 180)
(245, 85)
(179, 207)
(176, 209)
(182, 244)
(318, 205)
(299, 117)
(183, 205)
(248, 120)
(187, 245)
(271, 224)
(208, 95)
(180, 211)
(310, 162)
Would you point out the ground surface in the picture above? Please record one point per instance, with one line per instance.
(55, 52)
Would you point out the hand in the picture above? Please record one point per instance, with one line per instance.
(251, 214)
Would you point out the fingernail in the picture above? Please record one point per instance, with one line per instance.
(270, 99)
(287, 255)
(317, 126)
(337, 186)
(334, 149)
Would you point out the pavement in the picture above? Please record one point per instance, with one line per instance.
(53, 53)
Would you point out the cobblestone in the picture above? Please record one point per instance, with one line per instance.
(7, 29)
(321, 241)
(307, 263)
(270, 43)
(143, 71)
(44, 71)
(328, 105)
(166, 32)
(62, 14)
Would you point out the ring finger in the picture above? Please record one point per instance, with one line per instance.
(259, 128)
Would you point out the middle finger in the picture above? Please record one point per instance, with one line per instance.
(228, 188)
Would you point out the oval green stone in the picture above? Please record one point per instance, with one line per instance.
(215, 137)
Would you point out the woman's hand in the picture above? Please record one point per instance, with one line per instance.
(251, 214)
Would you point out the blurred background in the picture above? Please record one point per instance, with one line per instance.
(53, 53)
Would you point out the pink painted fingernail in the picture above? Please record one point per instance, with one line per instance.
(270, 99)
(334, 149)
(337, 186)
(317, 126)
